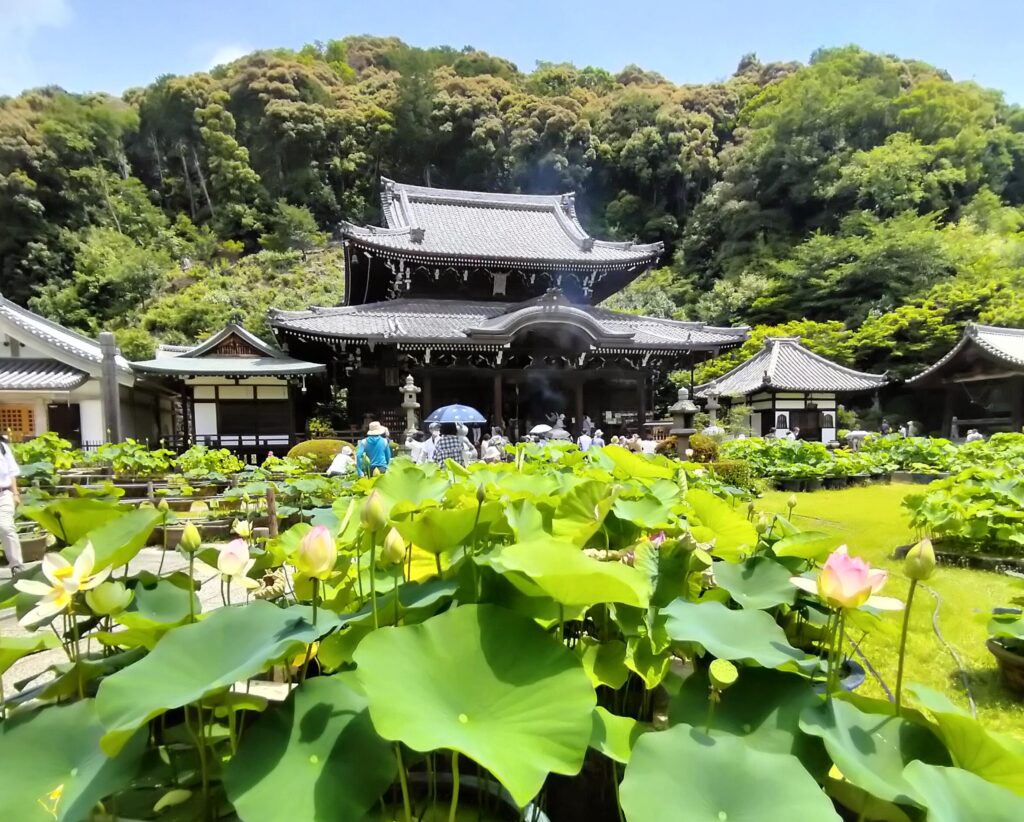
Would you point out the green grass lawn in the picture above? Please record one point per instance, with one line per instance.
(871, 521)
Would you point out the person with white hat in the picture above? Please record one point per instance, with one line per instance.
(598, 439)
(375, 448)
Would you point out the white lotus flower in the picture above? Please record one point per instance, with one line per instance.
(234, 563)
(65, 580)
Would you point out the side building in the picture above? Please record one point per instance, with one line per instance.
(489, 300)
(979, 383)
(787, 387)
(236, 392)
(51, 379)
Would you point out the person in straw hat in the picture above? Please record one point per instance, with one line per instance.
(375, 448)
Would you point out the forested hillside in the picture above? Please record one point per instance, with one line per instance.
(863, 201)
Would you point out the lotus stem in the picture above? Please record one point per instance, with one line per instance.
(454, 807)
(163, 553)
(191, 587)
(309, 648)
(373, 581)
(406, 803)
(903, 644)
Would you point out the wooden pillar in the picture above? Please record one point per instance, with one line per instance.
(497, 401)
(1017, 403)
(948, 410)
(578, 402)
(641, 393)
(428, 402)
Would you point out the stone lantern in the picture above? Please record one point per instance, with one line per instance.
(711, 406)
(410, 405)
(682, 421)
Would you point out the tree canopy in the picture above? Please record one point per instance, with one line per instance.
(867, 202)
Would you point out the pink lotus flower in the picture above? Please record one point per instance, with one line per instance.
(234, 563)
(849, 582)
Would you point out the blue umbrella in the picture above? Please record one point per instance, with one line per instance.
(457, 413)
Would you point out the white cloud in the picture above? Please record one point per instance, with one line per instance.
(224, 54)
(20, 21)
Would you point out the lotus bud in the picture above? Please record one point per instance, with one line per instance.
(393, 550)
(163, 506)
(317, 553)
(243, 528)
(920, 561)
(764, 522)
(373, 515)
(190, 539)
(722, 674)
(791, 502)
(751, 508)
(108, 598)
(481, 494)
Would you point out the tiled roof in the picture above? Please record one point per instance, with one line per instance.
(27, 374)
(57, 336)
(196, 361)
(228, 366)
(785, 365)
(531, 229)
(412, 320)
(1003, 344)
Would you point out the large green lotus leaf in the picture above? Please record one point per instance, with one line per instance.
(604, 662)
(647, 511)
(57, 748)
(956, 795)
(756, 583)
(118, 541)
(871, 750)
(859, 801)
(629, 465)
(159, 602)
(485, 682)
(72, 518)
(649, 663)
(568, 576)
(581, 512)
(734, 537)
(515, 485)
(615, 736)
(229, 645)
(763, 706)
(734, 635)
(806, 545)
(314, 757)
(413, 486)
(525, 520)
(682, 775)
(13, 648)
(438, 530)
(972, 747)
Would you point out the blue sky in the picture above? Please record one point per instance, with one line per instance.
(111, 45)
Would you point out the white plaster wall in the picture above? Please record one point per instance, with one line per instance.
(206, 418)
(92, 421)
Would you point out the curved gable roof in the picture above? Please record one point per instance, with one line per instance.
(1003, 345)
(785, 365)
(529, 229)
(63, 344)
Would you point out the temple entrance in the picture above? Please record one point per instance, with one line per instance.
(533, 399)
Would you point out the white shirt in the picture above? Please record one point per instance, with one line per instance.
(341, 464)
(427, 450)
(8, 467)
(584, 442)
(648, 446)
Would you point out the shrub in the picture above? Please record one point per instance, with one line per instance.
(734, 472)
(321, 452)
(704, 448)
(48, 447)
(201, 460)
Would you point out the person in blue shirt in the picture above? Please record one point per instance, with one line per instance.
(375, 448)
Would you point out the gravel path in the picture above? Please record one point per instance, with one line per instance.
(147, 560)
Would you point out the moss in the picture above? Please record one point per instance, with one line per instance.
(322, 452)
